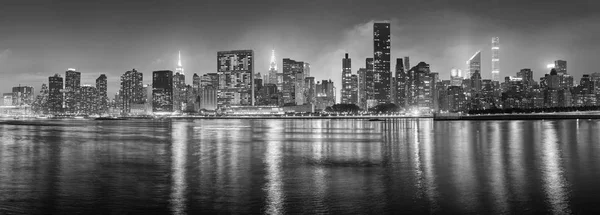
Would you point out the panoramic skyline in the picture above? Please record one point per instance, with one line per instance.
(41, 39)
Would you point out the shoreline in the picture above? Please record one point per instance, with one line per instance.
(517, 117)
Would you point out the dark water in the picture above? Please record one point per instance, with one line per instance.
(300, 166)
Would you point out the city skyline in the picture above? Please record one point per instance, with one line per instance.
(73, 44)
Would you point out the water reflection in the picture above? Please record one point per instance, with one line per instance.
(300, 166)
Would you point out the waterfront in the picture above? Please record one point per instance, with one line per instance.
(291, 166)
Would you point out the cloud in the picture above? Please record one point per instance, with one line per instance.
(5, 54)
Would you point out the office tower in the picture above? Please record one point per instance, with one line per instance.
(381, 62)
(236, 71)
(475, 83)
(55, 94)
(72, 84)
(40, 104)
(280, 82)
(325, 92)
(88, 102)
(561, 67)
(401, 77)
(102, 89)
(456, 77)
(291, 70)
(309, 92)
(362, 91)
(495, 59)
(354, 90)
(421, 88)
(369, 83)
(132, 90)
(162, 91)
(473, 64)
(273, 69)
(346, 80)
(526, 76)
(196, 80)
(306, 69)
(22, 96)
(179, 92)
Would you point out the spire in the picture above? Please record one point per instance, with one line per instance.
(179, 62)
(273, 61)
(179, 68)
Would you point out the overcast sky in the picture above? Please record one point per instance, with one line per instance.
(41, 38)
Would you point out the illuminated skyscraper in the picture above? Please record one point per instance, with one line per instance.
(291, 70)
(55, 94)
(456, 77)
(72, 84)
(162, 91)
(495, 59)
(381, 62)
(236, 73)
(102, 89)
(473, 64)
(132, 90)
(272, 69)
(346, 80)
(179, 68)
(561, 67)
(400, 83)
(179, 88)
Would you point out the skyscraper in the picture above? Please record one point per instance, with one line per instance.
(401, 78)
(291, 70)
(495, 59)
(132, 90)
(381, 62)
(561, 67)
(101, 88)
(362, 91)
(272, 69)
(369, 83)
(55, 94)
(456, 77)
(473, 64)
(88, 102)
(22, 95)
(162, 91)
(346, 80)
(236, 74)
(179, 88)
(72, 84)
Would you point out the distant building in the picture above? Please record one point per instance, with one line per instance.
(22, 96)
(473, 64)
(208, 99)
(88, 100)
(381, 62)
(495, 59)
(72, 84)
(55, 94)
(561, 67)
(272, 69)
(456, 77)
(132, 90)
(236, 71)
(362, 90)
(7, 99)
(401, 78)
(325, 94)
(162, 91)
(291, 71)
(346, 91)
(179, 92)
(102, 89)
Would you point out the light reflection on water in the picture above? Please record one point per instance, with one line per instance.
(295, 166)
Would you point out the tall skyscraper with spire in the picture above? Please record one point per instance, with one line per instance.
(179, 89)
(495, 59)
(272, 69)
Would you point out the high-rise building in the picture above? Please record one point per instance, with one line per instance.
(196, 80)
(473, 64)
(306, 69)
(179, 92)
(72, 84)
(346, 80)
(55, 94)
(179, 68)
(22, 95)
(291, 70)
(495, 59)
(456, 77)
(325, 92)
(132, 90)
(381, 62)
(162, 91)
(88, 102)
(369, 83)
(401, 77)
(272, 69)
(102, 89)
(561, 67)
(362, 91)
(421, 88)
(236, 73)
(354, 90)
(309, 92)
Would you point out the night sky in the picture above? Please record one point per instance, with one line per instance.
(41, 38)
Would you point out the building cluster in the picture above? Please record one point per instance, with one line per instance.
(235, 87)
